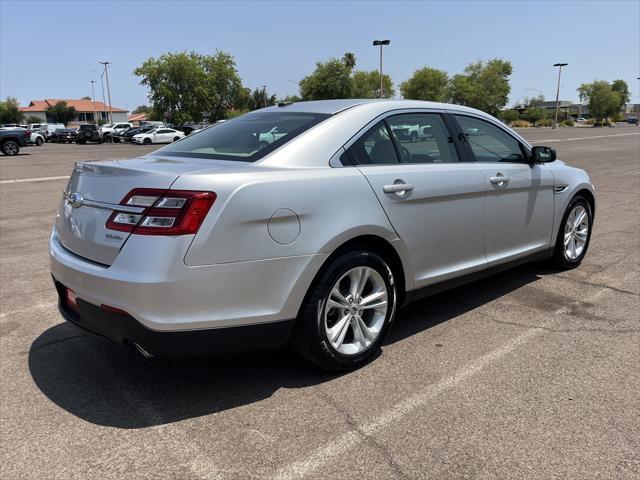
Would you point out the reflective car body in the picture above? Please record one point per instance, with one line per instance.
(443, 211)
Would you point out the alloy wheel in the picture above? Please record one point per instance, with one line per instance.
(355, 310)
(576, 232)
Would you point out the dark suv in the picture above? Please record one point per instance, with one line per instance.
(88, 133)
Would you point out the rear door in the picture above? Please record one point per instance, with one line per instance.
(434, 199)
(519, 194)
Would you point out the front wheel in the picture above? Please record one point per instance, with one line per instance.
(146, 141)
(574, 235)
(347, 312)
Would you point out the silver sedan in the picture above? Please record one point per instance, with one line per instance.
(236, 238)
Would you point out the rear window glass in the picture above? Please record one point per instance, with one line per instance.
(246, 138)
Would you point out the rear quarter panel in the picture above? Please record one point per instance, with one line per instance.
(331, 206)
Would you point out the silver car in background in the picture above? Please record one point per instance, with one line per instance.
(236, 238)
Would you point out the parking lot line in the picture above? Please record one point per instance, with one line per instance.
(348, 440)
(37, 179)
(586, 138)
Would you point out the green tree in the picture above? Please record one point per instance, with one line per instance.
(367, 85)
(290, 99)
(61, 113)
(621, 88)
(483, 85)
(602, 100)
(330, 79)
(32, 119)
(9, 111)
(185, 86)
(426, 84)
(142, 109)
(534, 102)
(349, 59)
(534, 114)
(509, 116)
(86, 97)
(260, 98)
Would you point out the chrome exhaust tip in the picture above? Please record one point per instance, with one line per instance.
(142, 351)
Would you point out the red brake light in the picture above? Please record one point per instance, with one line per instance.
(166, 212)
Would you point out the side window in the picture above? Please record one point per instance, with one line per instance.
(422, 138)
(490, 143)
(374, 147)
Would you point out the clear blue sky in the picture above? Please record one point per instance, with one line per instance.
(49, 49)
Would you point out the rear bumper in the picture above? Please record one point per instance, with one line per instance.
(126, 330)
(150, 281)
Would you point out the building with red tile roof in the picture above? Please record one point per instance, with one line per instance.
(88, 111)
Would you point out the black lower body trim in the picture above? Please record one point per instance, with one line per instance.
(436, 288)
(124, 329)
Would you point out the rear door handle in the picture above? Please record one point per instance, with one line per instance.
(398, 188)
(499, 179)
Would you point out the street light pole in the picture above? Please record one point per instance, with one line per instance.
(106, 74)
(560, 65)
(104, 102)
(638, 109)
(380, 43)
(93, 99)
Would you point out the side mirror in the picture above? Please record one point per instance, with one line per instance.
(543, 154)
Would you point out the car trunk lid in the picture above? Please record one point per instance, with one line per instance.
(95, 191)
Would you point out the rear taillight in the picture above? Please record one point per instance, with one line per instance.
(166, 212)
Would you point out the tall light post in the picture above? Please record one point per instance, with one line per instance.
(106, 74)
(560, 65)
(93, 99)
(380, 43)
(104, 101)
(638, 109)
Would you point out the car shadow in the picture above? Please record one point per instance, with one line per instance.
(107, 385)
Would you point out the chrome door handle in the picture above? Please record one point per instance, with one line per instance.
(399, 188)
(499, 179)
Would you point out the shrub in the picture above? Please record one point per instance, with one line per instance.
(588, 121)
(521, 124)
(545, 122)
(618, 117)
(568, 123)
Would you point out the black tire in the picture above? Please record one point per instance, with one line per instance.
(560, 259)
(38, 141)
(309, 337)
(10, 148)
(146, 141)
(175, 139)
(80, 142)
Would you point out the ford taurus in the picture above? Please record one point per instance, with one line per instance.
(238, 238)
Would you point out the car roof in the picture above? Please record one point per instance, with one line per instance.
(335, 106)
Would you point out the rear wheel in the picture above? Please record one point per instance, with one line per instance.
(39, 141)
(146, 141)
(574, 235)
(347, 313)
(10, 147)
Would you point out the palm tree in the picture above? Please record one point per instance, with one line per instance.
(349, 59)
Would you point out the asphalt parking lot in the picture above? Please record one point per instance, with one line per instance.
(529, 374)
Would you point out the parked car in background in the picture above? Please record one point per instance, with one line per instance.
(64, 135)
(113, 129)
(126, 135)
(36, 138)
(158, 135)
(581, 119)
(12, 139)
(152, 123)
(47, 129)
(88, 133)
(216, 243)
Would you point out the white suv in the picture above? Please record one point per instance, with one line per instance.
(114, 128)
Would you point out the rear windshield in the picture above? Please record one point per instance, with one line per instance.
(246, 138)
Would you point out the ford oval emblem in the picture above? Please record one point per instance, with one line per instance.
(75, 200)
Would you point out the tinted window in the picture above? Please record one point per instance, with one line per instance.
(488, 142)
(246, 138)
(374, 147)
(422, 138)
(164, 131)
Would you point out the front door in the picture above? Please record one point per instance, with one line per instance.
(519, 194)
(434, 200)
